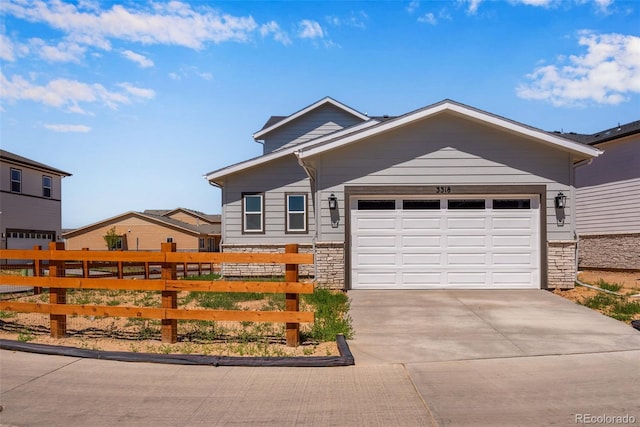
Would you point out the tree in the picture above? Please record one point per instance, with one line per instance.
(111, 238)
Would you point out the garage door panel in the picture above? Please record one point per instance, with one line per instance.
(421, 259)
(379, 241)
(467, 241)
(512, 278)
(466, 223)
(420, 224)
(365, 260)
(511, 224)
(421, 241)
(514, 241)
(378, 279)
(376, 224)
(512, 259)
(464, 259)
(419, 279)
(477, 278)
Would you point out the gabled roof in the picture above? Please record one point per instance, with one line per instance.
(448, 106)
(256, 161)
(277, 121)
(197, 214)
(384, 124)
(606, 135)
(158, 219)
(14, 158)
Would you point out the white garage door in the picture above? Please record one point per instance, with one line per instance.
(476, 242)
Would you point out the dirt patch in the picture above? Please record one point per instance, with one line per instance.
(630, 283)
(143, 335)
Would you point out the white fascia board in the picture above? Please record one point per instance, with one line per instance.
(238, 167)
(568, 145)
(326, 100)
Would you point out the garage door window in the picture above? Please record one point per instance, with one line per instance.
(420, 204)
(466, 204)
(376, 205)
(512, 204)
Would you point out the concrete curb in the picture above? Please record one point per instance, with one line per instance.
(345, 358)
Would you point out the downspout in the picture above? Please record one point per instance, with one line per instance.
(576, 236)
(311, 174)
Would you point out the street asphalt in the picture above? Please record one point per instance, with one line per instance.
(476, 358)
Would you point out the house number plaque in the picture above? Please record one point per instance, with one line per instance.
(443, 190)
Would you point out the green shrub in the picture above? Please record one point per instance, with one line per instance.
(608, 286)
(331, 315)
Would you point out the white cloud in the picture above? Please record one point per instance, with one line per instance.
(310, 30)
(538, 3)
(428, 18)
(68, 128)
(413, 6)
(279, 35)
(355, 20)
(68, 94)
(606, 74)
(473, 5)
(173, 23)
(139, 59)
(62, 52)
(186, 72)
(6, 48)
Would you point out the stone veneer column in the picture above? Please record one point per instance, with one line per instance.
(561, 266)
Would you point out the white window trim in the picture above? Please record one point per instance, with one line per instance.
(245, 213)
(304, 213)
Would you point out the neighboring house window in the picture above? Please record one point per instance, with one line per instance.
(296, 213)
(16, 180)
(253, 213)
(46, 186)
(201, 243)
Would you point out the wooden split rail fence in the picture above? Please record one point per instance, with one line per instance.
(168, 285)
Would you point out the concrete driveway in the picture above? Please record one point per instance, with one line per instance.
(476, 358)
(502, 357)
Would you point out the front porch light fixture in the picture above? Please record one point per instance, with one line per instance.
(561, 201)
(333, 202)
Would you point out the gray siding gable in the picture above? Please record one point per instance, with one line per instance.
(323, 120)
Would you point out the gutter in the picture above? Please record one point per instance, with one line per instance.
(311, 174)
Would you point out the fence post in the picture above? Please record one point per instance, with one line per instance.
(37, 270)
(85, 266)
(292, 301)
(169, 298)
(58, 322)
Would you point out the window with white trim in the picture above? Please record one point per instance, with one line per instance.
(16, 180)
(296, 213)
(253, 213)
(46, 186)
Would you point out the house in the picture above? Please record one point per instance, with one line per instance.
(608, 200)
(30, 202)
(446, 196)
(145, 231)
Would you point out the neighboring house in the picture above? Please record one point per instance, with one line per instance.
(30, 202)
(145, 231)
(446, 196)
(608, 200)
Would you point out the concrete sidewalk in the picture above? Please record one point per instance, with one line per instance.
(42, 390)
(476, 358)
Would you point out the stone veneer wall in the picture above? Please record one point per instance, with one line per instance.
(329, 259)
(609, 251)
(561, 266)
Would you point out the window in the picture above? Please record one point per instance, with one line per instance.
(252, 213)
(201, 243)
(16, 180)
(376, 205)
(466, 204)
(46, 186)
(512, 204)
(420, 204)
(296, 213)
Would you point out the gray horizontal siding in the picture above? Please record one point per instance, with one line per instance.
(274, 180)
(321, 121)
(446, 151)
(609, 208)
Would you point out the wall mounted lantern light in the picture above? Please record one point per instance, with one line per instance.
(561, 201)
(333, 202)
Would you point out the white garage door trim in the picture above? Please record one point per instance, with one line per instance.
(455, 246)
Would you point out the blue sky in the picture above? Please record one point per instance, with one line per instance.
(138, 100)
